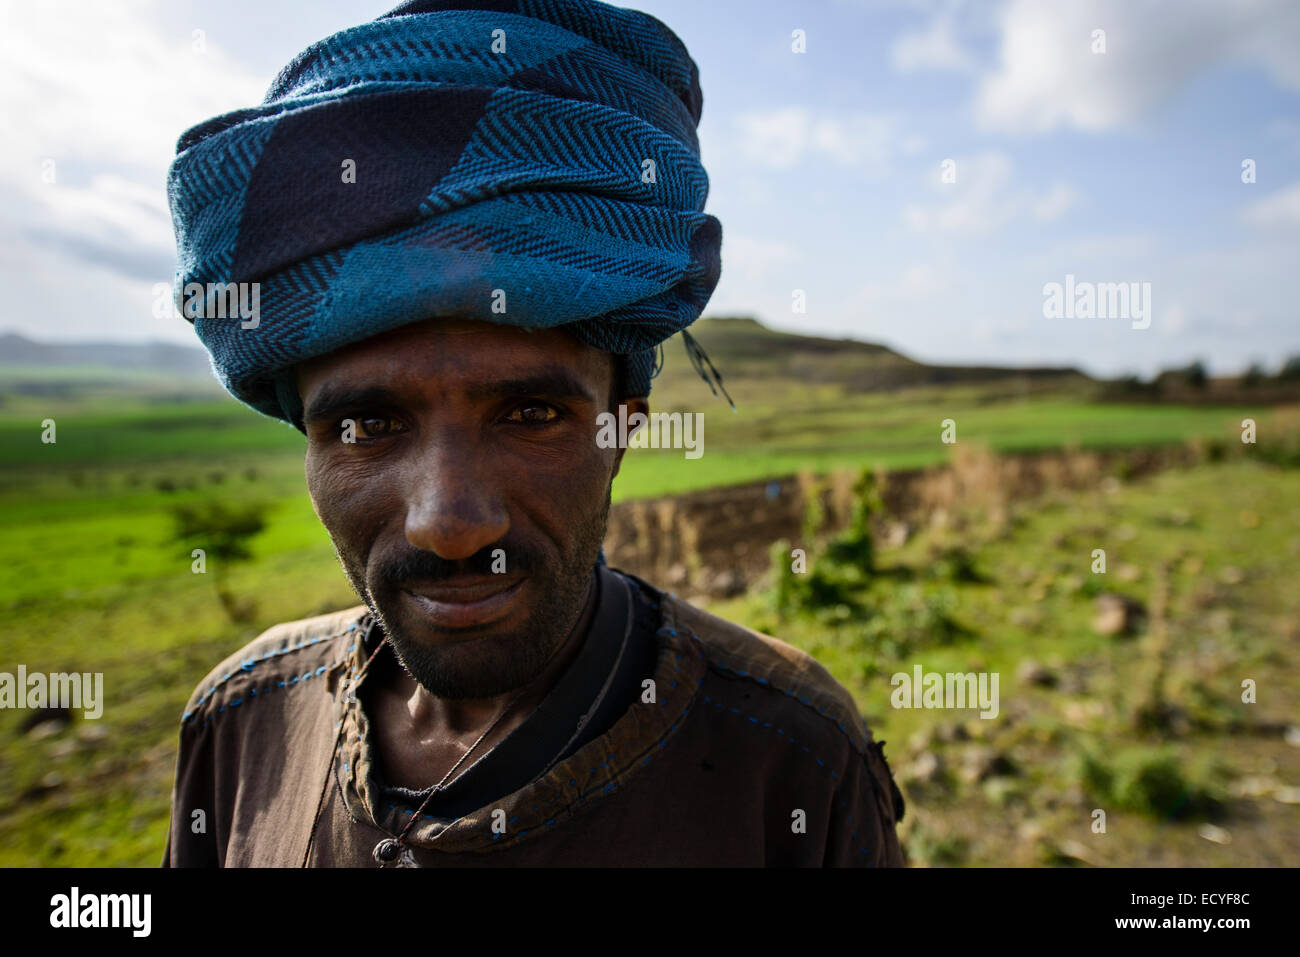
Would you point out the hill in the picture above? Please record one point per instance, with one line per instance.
(743, 347)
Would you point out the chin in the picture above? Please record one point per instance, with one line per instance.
(473, 667)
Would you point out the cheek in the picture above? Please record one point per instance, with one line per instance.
(345, 500)
(573, 476)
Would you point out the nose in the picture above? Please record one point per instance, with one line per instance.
(453, 506)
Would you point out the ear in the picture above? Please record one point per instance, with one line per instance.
(634, 404)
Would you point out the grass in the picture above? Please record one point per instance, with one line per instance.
(92, 581)
(1228, 536)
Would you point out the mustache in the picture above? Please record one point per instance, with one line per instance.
(426, 567)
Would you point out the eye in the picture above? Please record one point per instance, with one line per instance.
(534, 413)
(375, 426)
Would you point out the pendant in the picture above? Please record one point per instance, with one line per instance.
(390, 852)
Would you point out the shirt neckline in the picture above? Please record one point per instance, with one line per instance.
(593, 772)
(552, 725)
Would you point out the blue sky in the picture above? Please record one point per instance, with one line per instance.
(1122, 166)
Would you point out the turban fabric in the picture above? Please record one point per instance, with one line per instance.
(527, 162)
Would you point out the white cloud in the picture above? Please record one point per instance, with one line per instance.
(784, 138)
(986, 198)
(1048, 75)
(98, 89)
(1054, 204)
(1281, 208)
(935, 48)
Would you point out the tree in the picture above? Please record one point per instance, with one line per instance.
(223, 531)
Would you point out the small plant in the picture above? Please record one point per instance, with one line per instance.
(1149, 782)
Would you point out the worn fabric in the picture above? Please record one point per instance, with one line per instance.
(749, 754)
(528, 162)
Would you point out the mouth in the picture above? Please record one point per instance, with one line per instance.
(465, 602)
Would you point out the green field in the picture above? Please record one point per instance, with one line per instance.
(93, 579)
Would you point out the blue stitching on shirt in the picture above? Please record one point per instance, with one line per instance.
(189, 715)
(248, 664)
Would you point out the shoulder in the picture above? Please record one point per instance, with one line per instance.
(768, 662)
(281, 656)
(795, 689)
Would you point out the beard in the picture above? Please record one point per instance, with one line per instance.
(496, 659)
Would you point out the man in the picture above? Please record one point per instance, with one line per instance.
(469, 230)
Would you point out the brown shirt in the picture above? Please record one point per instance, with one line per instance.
(744, 752)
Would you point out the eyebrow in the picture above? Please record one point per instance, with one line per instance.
(554, 383)
(330, 400)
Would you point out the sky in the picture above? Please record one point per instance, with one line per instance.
(911, 172)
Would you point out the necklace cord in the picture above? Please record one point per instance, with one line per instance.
(401, 838)
(329, 771)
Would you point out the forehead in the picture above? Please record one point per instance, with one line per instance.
(445, 351)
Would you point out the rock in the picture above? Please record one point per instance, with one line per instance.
(39, 716)
(1232, 575)
(1030, 831)
(1217, 835)
(1287, 795)
(1032, 673)
(1253, 786)
(898, 534)
(1075, 851)
(63, 748)
(92, 733)
(46, 729)
(1082, 714)
(1117, 615)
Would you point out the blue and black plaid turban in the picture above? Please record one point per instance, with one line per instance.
(543, 148)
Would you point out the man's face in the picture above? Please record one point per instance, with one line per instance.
(469, 437)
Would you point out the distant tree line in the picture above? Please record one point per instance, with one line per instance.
(1194, 378)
